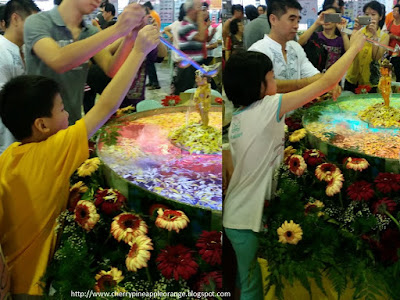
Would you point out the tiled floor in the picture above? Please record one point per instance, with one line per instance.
(164, 74)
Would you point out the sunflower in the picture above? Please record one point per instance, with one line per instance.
(171, 219)
(75, 194)
(297, 135)
(106, 281)
(334, 186)
(139, 254)
(315, 206)
(127, 227)
(86, 214)
(290, 233)
(88, 167)
(357, 164)
(79, 187)
(297, 165)
(287, 153)
(327, 171)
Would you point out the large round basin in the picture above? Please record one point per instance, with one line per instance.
(148, 168)
(339, 132)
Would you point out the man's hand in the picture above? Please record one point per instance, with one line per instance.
(357, 40)
(147, 39)
(131, 18)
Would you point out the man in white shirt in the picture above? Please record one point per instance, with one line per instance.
(292, 68)
(11, 60)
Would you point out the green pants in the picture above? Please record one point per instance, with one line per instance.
(245, 243)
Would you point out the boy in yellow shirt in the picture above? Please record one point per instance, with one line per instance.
(35, 172)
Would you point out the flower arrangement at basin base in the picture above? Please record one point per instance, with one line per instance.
(106, 246)
(333, 222)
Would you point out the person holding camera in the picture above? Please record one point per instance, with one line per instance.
(365, 68)
(324, 48)
(394, 32)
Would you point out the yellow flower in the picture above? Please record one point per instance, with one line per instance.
(171, 220)
(86, 214)
(78, 187)
(139, 254)
(297, 135)
(106, 281)
(125, 110)
(314, 206)
(89, 167)
(127, 226)
(290, 233)
(334, 186)
(357, 164)
(288, 152)
(327, 171)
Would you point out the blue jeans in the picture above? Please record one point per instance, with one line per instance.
(245, 243)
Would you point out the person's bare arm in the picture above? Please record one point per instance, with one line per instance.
(116, 90)
(285, 86)
(63, 59)
(303, 39)
(162, 50)
(293, 100)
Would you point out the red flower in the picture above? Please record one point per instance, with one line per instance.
(360, 190)
(177, 262)
(109, 200)
(209, 281)
(387, 182)
(293, 124)
(384, 204)
(210, 248)
(313, 157)
(297, 165)
(362, 89)
(171, 100)
(388, 245)
(218, 100)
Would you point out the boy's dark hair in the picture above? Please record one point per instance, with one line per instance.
(234, 26)
(244, 72)
(182, 12)
(149, 5)
(279, 7)
(379, 8)
(103, 3)
(251, 12)
(25, 98)
(23, 8)
(236, 7)
(110, 8)
(397, 5)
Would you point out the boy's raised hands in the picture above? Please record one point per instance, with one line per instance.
(131, 18)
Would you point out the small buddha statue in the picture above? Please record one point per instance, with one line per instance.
(385, 81)
(202, 97)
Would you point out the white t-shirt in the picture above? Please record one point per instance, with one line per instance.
(256, 138)
(175, 34)
(11, 65)
(297, 66)
(217, 52)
